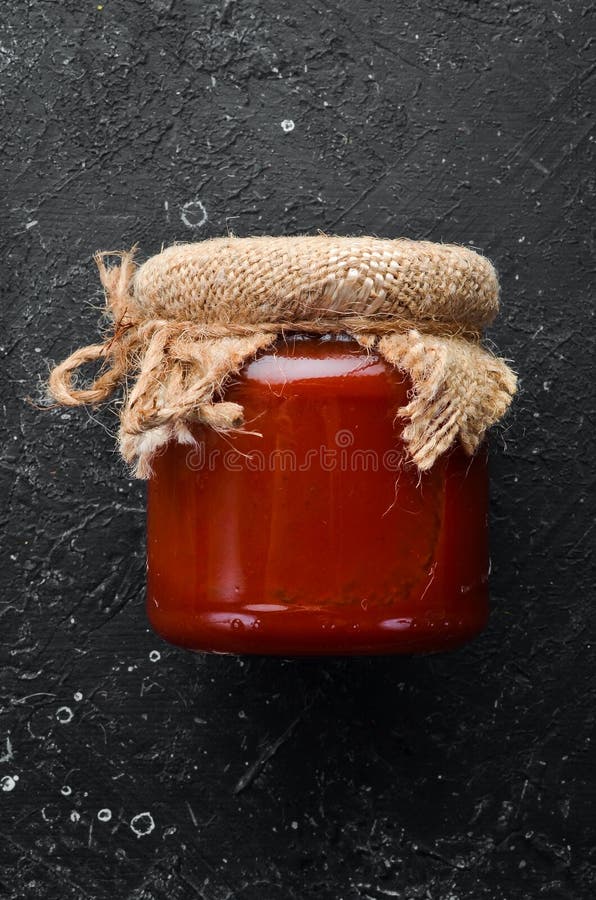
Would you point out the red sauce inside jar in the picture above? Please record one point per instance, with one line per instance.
(315, 534)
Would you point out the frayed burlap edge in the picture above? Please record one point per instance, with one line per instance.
(174, 371)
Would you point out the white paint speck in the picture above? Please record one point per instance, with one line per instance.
(142, 824)
(64, 715)
(104, 815)
(66, 790)
(77, 696)
(9, 782)
(155, 656)
(8, 755)
(287, 125)
(294, 825)
(31, 224)
(194, 214)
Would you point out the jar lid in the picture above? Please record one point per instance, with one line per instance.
(283, 279)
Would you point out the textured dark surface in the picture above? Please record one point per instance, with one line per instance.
(456, 777)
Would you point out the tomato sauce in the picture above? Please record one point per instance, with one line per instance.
(312, 532)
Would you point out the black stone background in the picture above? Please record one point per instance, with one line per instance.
(461, 776)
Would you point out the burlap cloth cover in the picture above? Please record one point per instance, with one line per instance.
(190, 317)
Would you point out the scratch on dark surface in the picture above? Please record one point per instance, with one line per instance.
(267, 753)
(192, 814)
(55, 873)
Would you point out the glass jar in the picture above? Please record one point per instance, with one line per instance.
(312, 532)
